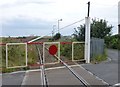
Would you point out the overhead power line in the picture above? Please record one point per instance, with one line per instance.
(70, 24)
(56, 30)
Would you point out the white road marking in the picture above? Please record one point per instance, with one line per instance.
(25, 77)
(33, 70)
(118, 84)
(60, 67)
(39, 69)
(17, 72)
(109, 59)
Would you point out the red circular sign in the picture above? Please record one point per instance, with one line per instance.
(53, 49)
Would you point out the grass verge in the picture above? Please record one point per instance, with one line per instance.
(99, 58)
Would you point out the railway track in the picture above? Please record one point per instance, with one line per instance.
(66, 76)
(45, 79)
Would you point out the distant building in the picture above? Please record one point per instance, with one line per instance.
(119, 17)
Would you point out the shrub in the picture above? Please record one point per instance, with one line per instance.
(57, 36)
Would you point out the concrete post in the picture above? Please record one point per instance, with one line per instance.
(87, 39)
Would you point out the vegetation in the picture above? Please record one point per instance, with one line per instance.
(56, 37)
(32, 54)
(99, 29)
(66, 51)
(16, 54)
(113, 41)
(99, 58)
(79, 51)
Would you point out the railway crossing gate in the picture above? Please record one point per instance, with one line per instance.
(46, 45)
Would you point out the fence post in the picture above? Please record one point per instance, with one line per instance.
(87, 39)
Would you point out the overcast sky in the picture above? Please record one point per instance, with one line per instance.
(37, 17)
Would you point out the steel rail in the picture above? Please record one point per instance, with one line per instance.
(43, 74)
(84, 82)
(74, 73)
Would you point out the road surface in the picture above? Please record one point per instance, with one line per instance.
(55, 76)
(13, 79)
(108, 70)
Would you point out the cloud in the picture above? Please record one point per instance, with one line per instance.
(21, 27)
(43, 14)
(26, 24)
(13, 3)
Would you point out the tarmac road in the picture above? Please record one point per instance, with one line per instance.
(62, 77)
(55, 76)
(13, 79)
(108, 70)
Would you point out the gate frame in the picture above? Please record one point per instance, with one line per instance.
(44, 43)
(73, 49)
(26, 59)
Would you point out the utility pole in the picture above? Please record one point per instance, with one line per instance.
(87, 36)
(88, 9)
(58, 24)
(53, 31)
(119, 17)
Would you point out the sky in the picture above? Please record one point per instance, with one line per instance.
(37, 17)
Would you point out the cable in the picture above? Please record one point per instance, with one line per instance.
(71, 24)
(56, 30)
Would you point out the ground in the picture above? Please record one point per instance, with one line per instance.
(107, 71)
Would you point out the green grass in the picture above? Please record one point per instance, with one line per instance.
(66, 51)
(32, 54)
(99, 58)
(16, 55)
(78, 51)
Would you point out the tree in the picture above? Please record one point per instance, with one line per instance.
(57, 36)
(99, 29)
(113, 41)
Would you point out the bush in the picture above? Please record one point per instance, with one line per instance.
(57, 36)
(99, 58)
(113, 42)
(66, 51)
(14, 54)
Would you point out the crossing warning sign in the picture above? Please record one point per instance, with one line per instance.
(53, 49)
